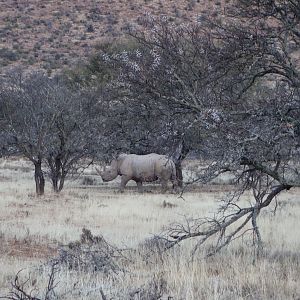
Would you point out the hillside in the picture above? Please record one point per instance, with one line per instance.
(57, 33)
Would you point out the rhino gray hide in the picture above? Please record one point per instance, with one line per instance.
(141, 168)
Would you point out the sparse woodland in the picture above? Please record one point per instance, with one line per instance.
(223, 89)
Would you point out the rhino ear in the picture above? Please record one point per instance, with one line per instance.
(114, 163)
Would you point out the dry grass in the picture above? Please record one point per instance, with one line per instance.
(31, 230)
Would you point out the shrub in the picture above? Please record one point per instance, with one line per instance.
(8, 54)
(88, 181)
(91, 254)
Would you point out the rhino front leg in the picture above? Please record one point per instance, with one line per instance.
(124, 180)
(164, 185)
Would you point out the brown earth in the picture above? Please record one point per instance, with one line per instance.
(26, 249)
(53, 34)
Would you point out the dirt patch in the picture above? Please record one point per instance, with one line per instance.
(20, 205)
(28, 249)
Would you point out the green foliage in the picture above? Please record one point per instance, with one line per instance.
(8, 55)
(96, 72)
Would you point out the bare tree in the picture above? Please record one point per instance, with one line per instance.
(75, 136)
(132, 125)
(29, 117)
(233, 86)
(48, 122)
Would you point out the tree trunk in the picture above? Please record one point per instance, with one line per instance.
(54, 184)
(182, 152)
(39, 178)
(56, 172)
(179, 176)
(62, 181)
(54, 179)
(58, 183)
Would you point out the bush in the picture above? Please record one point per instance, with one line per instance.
(91, 254)
(154, 289)
(96, 71)
(88, 181)
(8, 54)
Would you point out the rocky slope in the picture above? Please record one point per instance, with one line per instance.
(57, 33)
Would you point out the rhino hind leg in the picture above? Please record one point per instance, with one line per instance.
(140, 186)
(175, 186)
(164, 185)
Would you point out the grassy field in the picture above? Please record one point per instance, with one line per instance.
(33, 229)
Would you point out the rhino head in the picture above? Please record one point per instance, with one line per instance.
(109, 173)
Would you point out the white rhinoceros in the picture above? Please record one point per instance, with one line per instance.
(141, 168)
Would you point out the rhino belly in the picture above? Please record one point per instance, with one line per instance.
(144, 177)
(144, 170)
(150, 178)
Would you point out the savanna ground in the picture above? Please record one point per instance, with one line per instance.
(33, 229)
